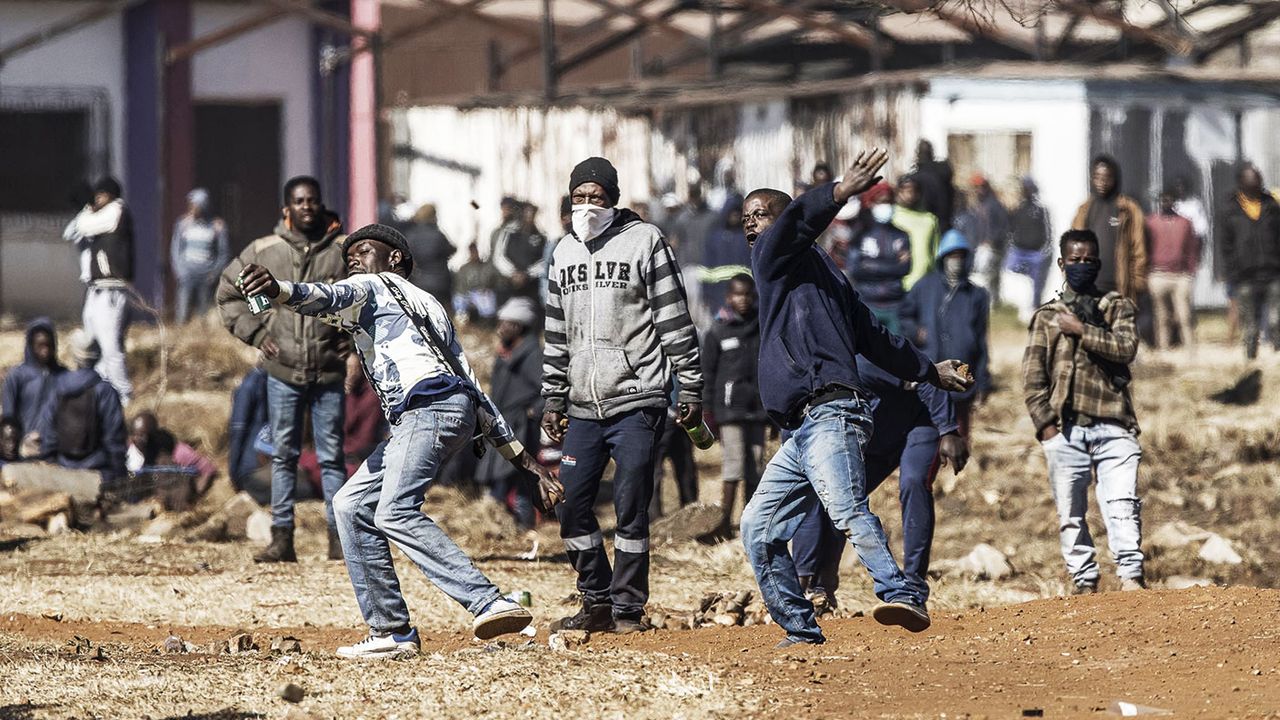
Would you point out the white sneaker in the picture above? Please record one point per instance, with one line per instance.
(384, 647)
(501, 617)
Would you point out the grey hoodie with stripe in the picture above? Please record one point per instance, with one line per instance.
(617, 324)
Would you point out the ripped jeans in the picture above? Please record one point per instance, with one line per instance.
(821, 463)
(1113, 452)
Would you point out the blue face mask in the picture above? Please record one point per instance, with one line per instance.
(1081, 276)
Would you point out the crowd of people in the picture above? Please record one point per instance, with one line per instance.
(621, 338)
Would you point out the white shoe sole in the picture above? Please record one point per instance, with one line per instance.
(403, 652)
(502, 623)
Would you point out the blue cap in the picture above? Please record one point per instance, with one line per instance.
(953, 240)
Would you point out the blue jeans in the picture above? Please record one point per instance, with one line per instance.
(820, 463)
(382, 504)
(285, 403)
(194, 295)
(1074, 456)
(818, 546)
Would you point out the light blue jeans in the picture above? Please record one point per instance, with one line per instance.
(382, 504)
(1073, 456)
(820, 463)
(285, 403)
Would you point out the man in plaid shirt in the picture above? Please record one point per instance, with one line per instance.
(1075, 374)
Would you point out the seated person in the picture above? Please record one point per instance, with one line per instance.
(27, 387)
(151, 446)
(82, 426)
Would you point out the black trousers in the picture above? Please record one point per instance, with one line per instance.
(631, 440)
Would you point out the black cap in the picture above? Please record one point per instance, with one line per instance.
(599, 171)
(384, 234)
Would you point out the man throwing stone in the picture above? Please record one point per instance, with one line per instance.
(812, 327)
(617, 324)
(412, 357)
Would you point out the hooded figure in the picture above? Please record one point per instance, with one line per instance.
(27, 387)
(1120, 226)
(82, 424)
(946, 315)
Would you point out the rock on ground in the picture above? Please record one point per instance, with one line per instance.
(1177, 534)
(1217, 549)
(695, 521)
(985, 562)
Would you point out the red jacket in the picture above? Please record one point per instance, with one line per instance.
(1174, 245)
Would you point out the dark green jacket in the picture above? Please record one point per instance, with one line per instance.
(310, 350)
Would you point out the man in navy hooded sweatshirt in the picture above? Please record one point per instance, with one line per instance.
(28, 387)
(812, 327)
(946, 315)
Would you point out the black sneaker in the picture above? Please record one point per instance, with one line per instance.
(903, 614)
(592, 618)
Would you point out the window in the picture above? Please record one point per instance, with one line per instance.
(45, 161)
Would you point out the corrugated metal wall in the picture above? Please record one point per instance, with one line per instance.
(452, 156)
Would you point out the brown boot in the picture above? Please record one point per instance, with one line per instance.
(281, 547)
(335, 545)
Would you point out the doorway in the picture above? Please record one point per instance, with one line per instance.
(238, 160)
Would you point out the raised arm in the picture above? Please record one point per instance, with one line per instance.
(799, 225)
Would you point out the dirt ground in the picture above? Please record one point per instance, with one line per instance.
(84, 617)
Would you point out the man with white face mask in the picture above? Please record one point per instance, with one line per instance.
(617, 327)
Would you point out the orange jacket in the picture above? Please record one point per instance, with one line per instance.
(1131, 245)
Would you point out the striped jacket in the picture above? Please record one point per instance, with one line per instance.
(617, 324)
(1059, 374)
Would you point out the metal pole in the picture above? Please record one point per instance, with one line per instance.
(713, 42)
(549, 79)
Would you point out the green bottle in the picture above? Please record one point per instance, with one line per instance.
(700, 434)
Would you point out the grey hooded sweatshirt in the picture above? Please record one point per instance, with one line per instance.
(617, 324)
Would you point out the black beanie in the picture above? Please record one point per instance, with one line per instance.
(385, 235)
(599, 171)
